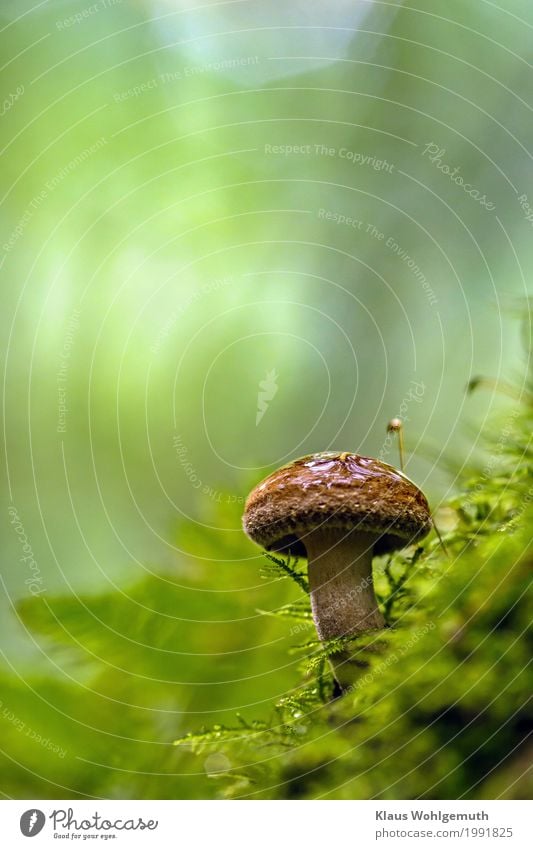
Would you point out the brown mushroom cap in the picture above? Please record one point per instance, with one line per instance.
(344, 491)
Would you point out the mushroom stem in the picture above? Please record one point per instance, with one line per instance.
(342, 592)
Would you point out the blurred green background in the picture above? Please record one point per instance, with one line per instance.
(208, 206)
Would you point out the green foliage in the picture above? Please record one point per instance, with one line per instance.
(149, 287)
(439, 709)
(279, 568)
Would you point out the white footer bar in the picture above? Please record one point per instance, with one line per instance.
(267, 825)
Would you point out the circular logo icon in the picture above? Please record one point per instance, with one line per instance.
(32, 822)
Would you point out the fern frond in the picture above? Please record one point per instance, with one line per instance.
(280, 568)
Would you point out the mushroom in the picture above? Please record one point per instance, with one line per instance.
(338, 511)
